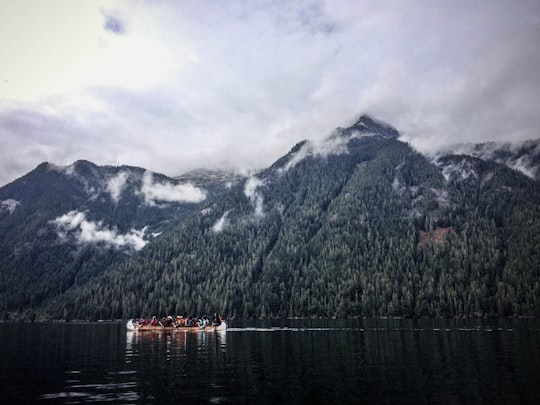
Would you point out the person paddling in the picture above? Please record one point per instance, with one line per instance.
(167, 322)
(217, 320)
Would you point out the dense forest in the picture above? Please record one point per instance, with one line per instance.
(62, 226)
(362, 226)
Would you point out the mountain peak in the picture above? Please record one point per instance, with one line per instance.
(368, 124)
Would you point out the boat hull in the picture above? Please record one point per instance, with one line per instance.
(147, 328)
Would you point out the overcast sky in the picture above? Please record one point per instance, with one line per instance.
(176, 85)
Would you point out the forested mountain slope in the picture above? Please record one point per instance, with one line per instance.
(358, 225)
(61, 226)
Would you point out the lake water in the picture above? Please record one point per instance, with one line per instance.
(275, 362)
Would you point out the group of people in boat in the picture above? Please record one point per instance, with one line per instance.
(181, 321)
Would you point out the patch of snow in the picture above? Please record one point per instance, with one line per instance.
(206, 211)
(463, 170)
(441, 196)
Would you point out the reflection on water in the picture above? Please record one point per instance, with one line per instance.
(292, 361)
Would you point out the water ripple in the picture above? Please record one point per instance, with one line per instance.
(376, 329)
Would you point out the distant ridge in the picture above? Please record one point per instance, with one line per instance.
(521, 156)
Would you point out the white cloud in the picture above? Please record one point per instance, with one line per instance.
(334, 144)
(10, 204)
(250, 188)
(220, 223)
(256, 198)
(168, 192)
(75, 225)
(304, 151)
(117, 184)
(525, 166)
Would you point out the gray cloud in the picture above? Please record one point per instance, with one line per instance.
(236, 86)
(113, 23)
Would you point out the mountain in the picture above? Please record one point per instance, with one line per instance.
(359, 224)
(61, 226)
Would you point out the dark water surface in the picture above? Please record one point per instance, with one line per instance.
(275, 362)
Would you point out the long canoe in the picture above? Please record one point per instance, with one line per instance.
(135, 326)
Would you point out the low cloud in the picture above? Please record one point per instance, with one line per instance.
(74, 225)
(169, 192)
(116, 185)
(9, 204)
(256, 198)
(297, 157)
(334, 144)
(220, 223)
(525, 165)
